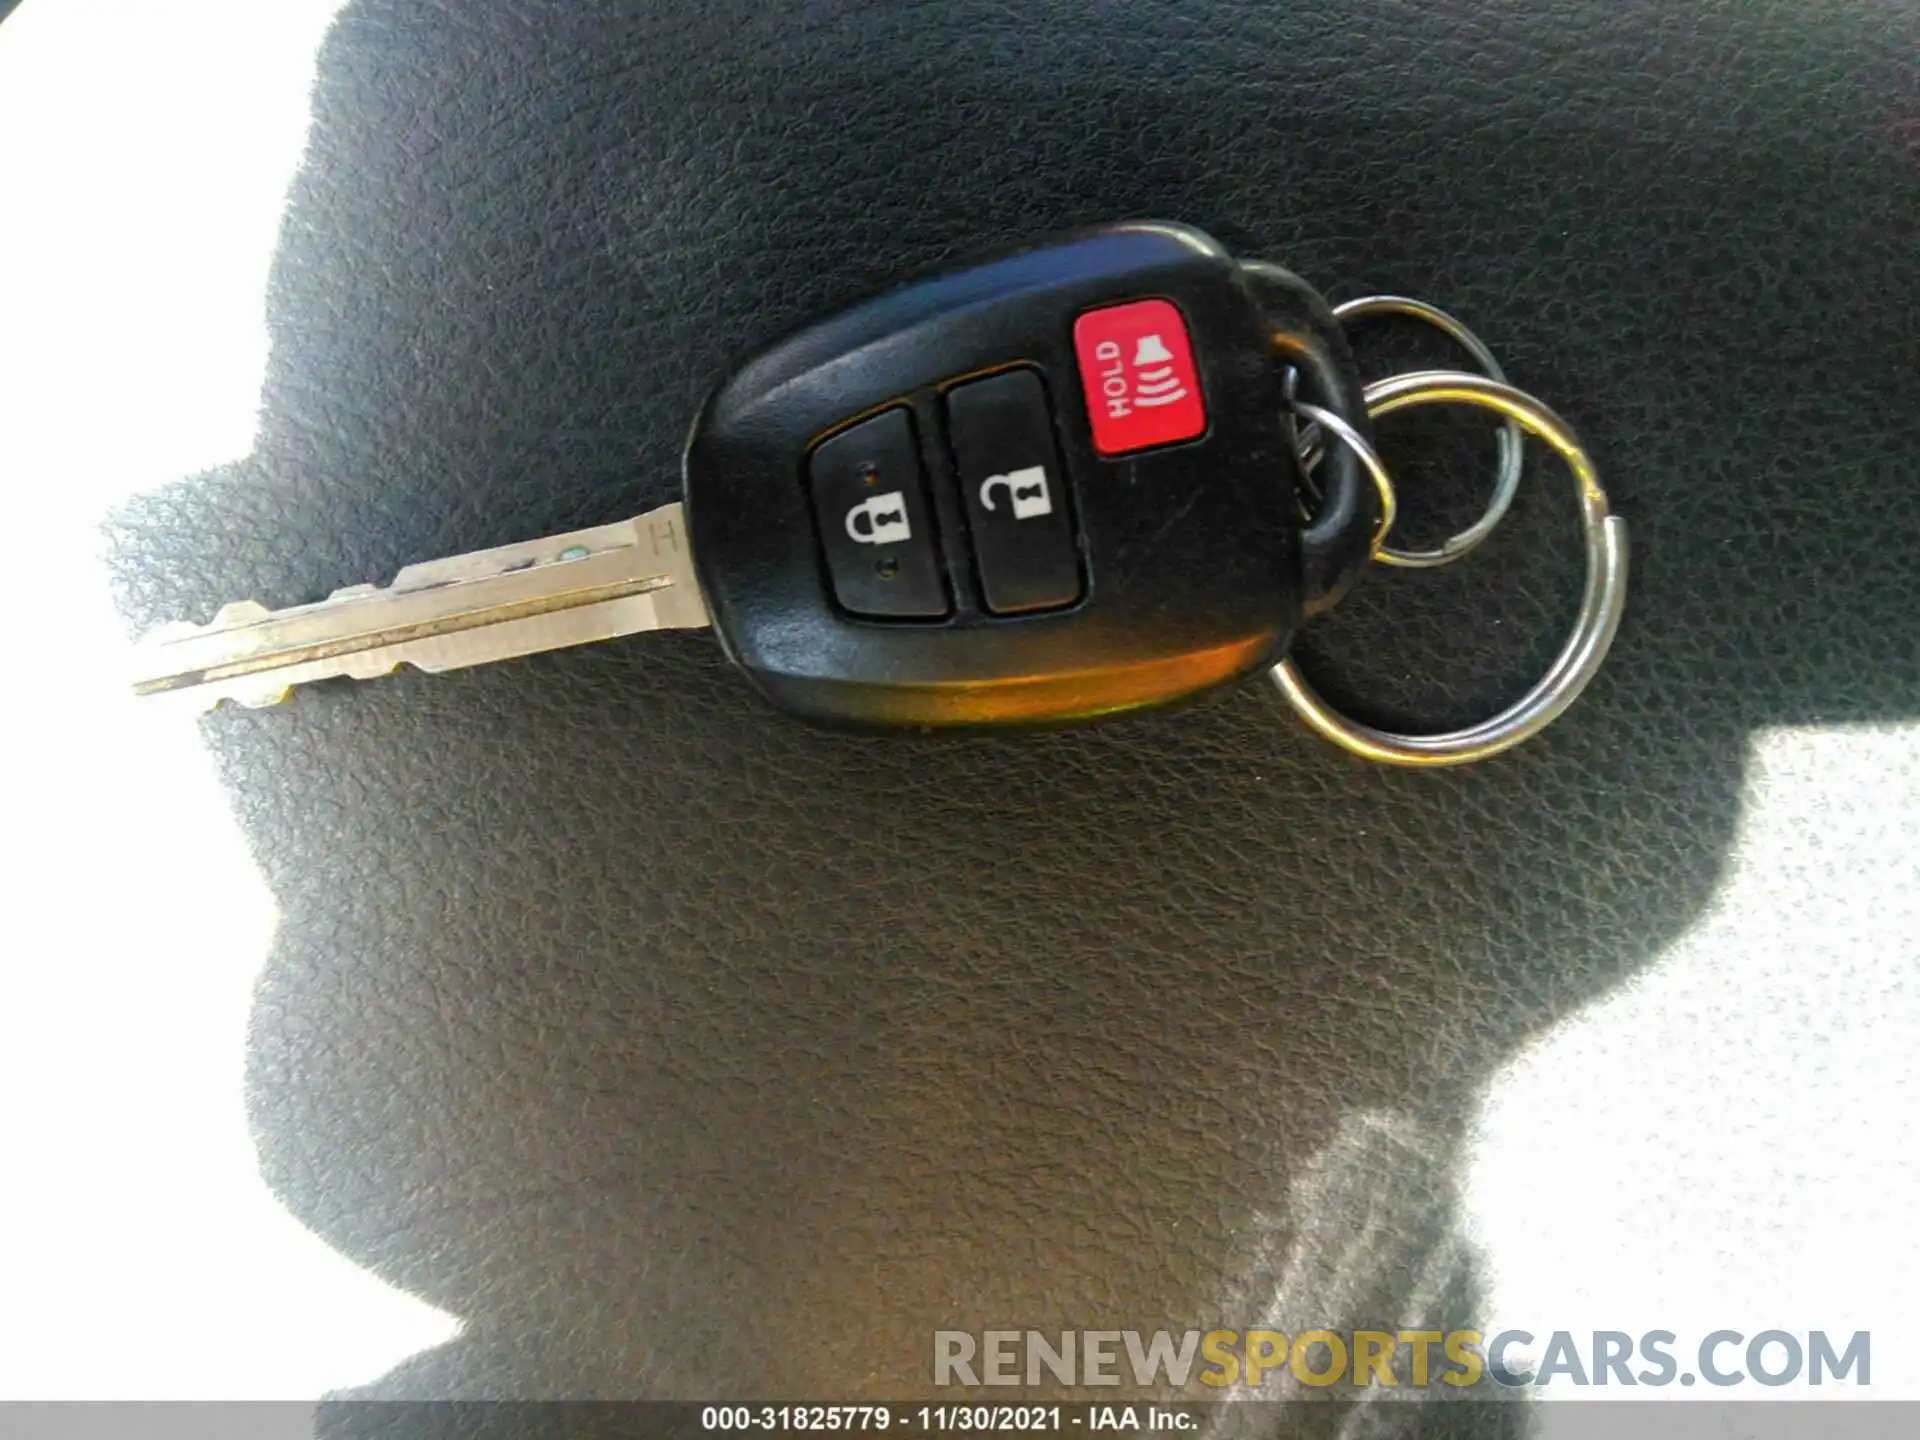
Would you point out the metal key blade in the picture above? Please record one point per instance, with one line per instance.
(571, 589)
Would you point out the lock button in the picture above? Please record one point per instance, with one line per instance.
(876, 527)
(1015, 492)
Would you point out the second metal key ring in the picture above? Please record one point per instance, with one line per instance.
(1601, 602)
(1510, 438)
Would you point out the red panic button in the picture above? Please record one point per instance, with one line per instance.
(1136, 364)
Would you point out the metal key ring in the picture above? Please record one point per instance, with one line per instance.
(1511, 440)
(1369, 458)
(1601, 603)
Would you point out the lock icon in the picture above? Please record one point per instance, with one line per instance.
(1027, 489)
(884, 517)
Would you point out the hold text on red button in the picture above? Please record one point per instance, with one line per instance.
(1136, 365)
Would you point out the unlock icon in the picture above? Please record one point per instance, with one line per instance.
(1027, 489)
(880, 520)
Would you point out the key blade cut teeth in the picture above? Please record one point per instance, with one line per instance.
(573, 589)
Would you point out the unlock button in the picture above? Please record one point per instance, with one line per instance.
(1015, 492)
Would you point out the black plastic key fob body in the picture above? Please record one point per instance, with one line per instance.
(1053, 486)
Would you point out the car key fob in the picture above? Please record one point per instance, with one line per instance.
(1056, 485)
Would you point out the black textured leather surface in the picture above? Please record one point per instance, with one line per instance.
(681, 1050)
